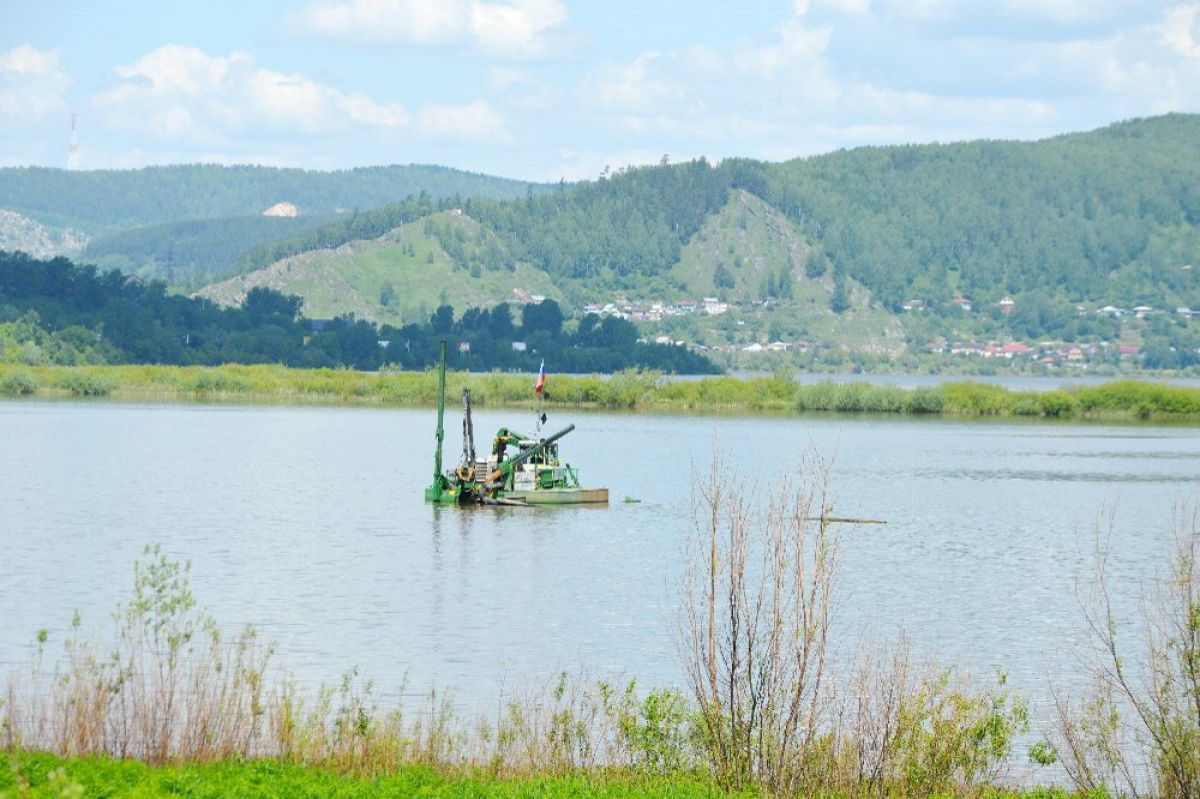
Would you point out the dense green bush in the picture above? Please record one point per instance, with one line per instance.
(18, 383)
(928, 399)
(86, 383)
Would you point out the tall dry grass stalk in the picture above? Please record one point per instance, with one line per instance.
(168, 687)
(1138, 729)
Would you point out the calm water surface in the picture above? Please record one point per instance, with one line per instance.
(309, 523)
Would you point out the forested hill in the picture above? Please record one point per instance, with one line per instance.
(103, 201)
(1106, 216)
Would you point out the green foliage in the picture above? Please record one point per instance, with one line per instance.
(45, 776)
(977, 399)
(1144, 397)
(107, 317)
(839, 301)
(928, 399)
(18, 383)
(25, 340)
(80, 383)
(722, 278)
(949, 736)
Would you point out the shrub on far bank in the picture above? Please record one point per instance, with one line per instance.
(18, 383)
(86, 383)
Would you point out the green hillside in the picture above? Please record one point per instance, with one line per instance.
(782, 285)
(1105, 216)
(747, 250)
(400, 277)
(107, 201)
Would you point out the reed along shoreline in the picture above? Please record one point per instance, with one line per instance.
(1127, 400)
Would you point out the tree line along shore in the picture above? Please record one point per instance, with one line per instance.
(643, 390)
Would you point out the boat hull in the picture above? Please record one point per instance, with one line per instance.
(560, 496)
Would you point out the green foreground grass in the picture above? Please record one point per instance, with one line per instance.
(1126, 399)
(45, 775)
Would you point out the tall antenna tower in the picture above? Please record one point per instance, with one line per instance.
(73, 146)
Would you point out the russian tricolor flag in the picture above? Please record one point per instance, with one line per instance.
(541, 381)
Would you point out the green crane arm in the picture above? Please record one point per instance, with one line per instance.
(505, 468)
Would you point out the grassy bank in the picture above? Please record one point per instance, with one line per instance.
(45, 775)
(50, 776)
(1125, 399)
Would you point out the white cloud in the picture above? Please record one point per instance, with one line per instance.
(521, 89)
(635, 86)
(517, 28)
(1181, 30)
(32, 83)
(846, 6)
(177, 92)
(512, 29)
(1019, 19)
(404, 21)
(796, 45)
(473, 122)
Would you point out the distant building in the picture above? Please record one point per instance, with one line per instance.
(1007, 305)
(1015, 348)
(518, 346)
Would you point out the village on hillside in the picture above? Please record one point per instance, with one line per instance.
(1046, 353)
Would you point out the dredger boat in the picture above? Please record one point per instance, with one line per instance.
(517, 470)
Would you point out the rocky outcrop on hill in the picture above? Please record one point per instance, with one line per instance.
(19, 232)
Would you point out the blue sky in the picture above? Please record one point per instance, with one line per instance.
(549, 89)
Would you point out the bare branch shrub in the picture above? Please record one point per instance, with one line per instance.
(755, 630)
(756, 635)
(1139, 727)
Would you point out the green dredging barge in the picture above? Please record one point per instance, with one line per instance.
(532, 474)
